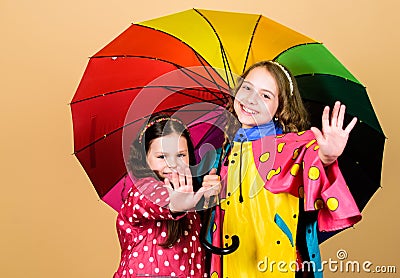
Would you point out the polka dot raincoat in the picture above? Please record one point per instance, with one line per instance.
(141, 226)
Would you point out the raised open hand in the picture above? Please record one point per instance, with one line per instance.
(181, 195)
(333, 138)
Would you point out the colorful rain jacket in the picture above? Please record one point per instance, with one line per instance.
(266, 183)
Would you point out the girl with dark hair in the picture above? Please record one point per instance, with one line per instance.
(157, 226)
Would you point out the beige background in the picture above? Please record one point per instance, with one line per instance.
(52, 222)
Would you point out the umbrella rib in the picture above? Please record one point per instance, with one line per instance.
(199, 56)
(124, 90)
(170, 62)
(130, 123)
(143, 87)
(106, 135)
(198, 98)
(201, 76)
(171, 88)
(251, 41)
(294, 46)
(199, 117)
(146, 57)
(224, 57)
(124, 175)
(377, 127)
(207, 89)
(328, 74)
(208, 131)
(206, 67)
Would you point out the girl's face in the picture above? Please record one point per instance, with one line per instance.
(166, 154)
(256, 101)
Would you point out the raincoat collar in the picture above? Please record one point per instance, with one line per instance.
(257, 132)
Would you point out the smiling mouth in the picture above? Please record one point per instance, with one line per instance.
(248, 110)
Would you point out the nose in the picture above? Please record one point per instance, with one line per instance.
(172, 163)
(251, 98)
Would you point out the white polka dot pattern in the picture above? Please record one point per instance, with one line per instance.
(142, 226)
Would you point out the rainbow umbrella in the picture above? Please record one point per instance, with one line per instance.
(219, 45)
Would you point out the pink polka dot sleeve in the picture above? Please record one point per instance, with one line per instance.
(148, 199)
(298, 170)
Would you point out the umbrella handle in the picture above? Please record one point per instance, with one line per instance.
(215, 249)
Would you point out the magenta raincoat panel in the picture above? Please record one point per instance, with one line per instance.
(299, 171)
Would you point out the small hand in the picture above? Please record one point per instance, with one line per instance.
(333, 138)
(181, 195)
(211, 186)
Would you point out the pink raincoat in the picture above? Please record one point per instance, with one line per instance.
(141, 226)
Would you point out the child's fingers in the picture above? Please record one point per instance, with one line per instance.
(211, 188)
(197, 196)
(216, 188)
(206, 202)
(181, 175)
(318, 134)
(211, 178)
(351, 125)
(210, 184)
(168, 186)
(325, 118)
(341, 116)
(335, 112)
(213, 171)
(188, 175)
(175, 180)
(167, 183)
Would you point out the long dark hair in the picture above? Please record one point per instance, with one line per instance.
(157, 126)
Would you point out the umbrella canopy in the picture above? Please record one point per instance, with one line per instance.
(208, 40)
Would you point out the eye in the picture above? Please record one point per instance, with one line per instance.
(181, 155)
(161, 156)
(246, 87)
(266, 96)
